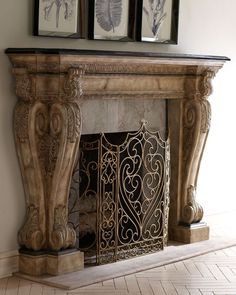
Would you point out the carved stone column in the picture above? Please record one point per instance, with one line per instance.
(47, 135)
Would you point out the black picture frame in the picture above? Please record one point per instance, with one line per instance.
(170, 35)
(72, 26)
(130, 31)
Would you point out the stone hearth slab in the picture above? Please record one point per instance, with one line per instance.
(172, 253)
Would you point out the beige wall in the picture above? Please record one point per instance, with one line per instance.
(205, 27)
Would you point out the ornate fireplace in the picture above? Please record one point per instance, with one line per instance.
(52, 86)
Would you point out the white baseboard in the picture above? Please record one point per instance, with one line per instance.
(8, 263)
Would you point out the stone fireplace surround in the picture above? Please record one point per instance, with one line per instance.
(51, 86)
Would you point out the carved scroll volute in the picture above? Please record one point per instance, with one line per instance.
(47, 134)
(30, 121)
(65, 129)
(196, 115)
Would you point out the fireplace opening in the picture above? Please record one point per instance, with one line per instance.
(119, 195)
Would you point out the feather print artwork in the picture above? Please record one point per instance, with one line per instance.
(108, 14)
(155, 15)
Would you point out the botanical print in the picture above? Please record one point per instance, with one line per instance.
(108, 14)
(111, 19)
(156, 14)
(58, 16)
(66, 5)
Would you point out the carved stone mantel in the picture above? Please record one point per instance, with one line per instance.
(51, 85)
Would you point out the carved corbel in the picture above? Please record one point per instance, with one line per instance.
(196, 117)
(47, 134)
(27, 128)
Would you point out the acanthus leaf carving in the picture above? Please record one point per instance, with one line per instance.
(25, 84)
(30, 235)
(49, 132)
(63, 235)
(74, 121)
(45, 143)
(73, 84)
(205, 83)
(21, 121)
(190, 119)
(48, 147)
(205, 116)
(192, 211)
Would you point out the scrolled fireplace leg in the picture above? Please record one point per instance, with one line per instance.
(196, 115)
(196, 124)
(47, 135)
(30, 120)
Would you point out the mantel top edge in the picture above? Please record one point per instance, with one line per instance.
(55, 51)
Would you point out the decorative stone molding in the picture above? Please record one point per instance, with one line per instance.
(50, 86)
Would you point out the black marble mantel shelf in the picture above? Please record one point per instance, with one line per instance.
(112, 53)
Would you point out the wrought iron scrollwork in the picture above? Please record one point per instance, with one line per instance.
(130, 185)
(83, 195)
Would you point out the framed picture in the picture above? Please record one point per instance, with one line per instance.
(60, 18)
(159, 21)
(112, 20)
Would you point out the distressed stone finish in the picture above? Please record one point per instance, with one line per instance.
(51, 86)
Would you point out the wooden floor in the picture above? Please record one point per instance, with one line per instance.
(213, 273)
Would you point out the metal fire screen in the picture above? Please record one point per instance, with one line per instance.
(119, 197)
